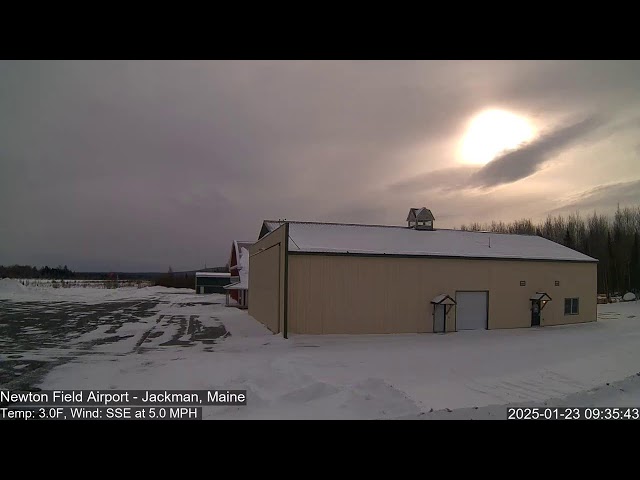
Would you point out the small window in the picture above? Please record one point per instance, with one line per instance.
(557, 283)
(523, 283)
(571, 306)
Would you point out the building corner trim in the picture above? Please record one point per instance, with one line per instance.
(285, 312)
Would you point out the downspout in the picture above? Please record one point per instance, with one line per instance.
(286, 280)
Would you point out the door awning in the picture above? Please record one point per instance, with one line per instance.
(237, 286)
(541, 296)
(443, 299)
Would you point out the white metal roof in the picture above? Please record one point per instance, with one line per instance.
(213, 274)
(310, 237)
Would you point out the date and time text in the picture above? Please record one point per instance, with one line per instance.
(573, 413)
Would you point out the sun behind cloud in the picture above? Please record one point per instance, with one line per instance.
(492, 132)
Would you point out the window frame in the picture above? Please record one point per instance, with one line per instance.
(574, 306)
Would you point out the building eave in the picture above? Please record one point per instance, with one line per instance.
(450, 257)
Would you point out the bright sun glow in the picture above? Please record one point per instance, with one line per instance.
(492, 132)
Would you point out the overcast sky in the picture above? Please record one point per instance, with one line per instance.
(142, 165)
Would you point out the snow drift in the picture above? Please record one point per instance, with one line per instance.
(11, 285)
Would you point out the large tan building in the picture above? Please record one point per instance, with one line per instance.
(331, 278)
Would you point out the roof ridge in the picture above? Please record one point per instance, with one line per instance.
(336, 223)
(400, 226)
(533, 244)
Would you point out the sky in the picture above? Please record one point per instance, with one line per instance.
(146, 165)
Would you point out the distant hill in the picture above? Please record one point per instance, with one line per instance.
(212, 269)
(120, 275)
(143, 275)
(28, 271)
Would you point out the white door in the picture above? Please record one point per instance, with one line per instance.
(439, 323)
(471, 310)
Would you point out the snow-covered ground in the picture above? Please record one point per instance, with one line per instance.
(181, 340)
(42, 291)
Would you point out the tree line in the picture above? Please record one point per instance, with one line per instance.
(170, 279)
(612, 239)
(28, 271)
(183, 279)
(176, 280)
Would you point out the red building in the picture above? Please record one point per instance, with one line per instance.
(239, 270)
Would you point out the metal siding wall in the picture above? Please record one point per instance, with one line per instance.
(266, 280)
(267, 287)
(342, 294)
(576, 280)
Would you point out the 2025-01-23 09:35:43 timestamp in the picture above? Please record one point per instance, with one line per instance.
(573, 413)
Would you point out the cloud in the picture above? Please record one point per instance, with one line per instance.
(603, 197)
(516, 164)
(445, 179)
(166, 162)
(526, 160)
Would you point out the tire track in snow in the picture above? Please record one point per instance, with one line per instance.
(146, 334)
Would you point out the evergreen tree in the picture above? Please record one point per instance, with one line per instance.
(611, 260)
(635, 263)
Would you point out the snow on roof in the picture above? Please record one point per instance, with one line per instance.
(443, 299)
(274, 224)
(312, 237)
(422, 213)
(243, 266)
(213, 274)
(271, 224)
(237, 286)
(238, 245)
(540, 296)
